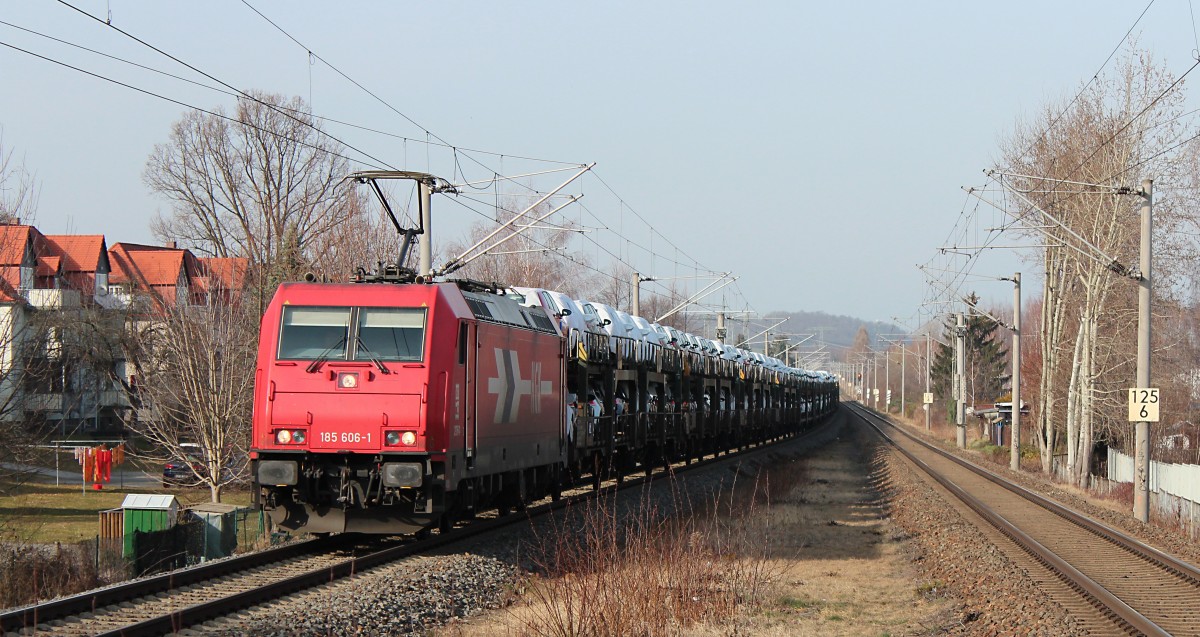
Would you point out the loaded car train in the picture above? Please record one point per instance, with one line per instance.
(388, 406)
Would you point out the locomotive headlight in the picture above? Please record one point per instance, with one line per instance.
(347, 380)
(290, 437)
(394, 438)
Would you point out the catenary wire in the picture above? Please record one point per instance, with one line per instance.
(308, 123)
(447, 144)
(186, 105)
(248, 96)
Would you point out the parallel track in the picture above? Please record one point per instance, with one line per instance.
(1110, 582)
(168, 603)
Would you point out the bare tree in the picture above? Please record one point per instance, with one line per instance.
(616, 290)
(1124, 125)
(862, 343)
(657, 303)
(193, 362)
(265, 184)
(19, 434)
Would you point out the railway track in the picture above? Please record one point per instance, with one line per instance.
(175, 597)
(1110, 582)
(168, 603)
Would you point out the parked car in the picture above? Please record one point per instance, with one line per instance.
(182, 472)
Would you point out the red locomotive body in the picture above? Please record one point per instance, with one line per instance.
(398, 407)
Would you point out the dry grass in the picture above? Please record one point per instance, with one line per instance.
(615, 569)
(607, 571)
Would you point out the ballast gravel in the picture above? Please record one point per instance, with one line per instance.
(993, 597)
(407, 598)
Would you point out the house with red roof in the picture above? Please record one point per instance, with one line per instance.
(76, 274)
(84, 260)
(161, 274)
(223, 277)
(18, 260)
(170, 276)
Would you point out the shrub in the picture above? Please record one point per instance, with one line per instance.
(29, 573)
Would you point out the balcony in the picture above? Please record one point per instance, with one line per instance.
(53, 299)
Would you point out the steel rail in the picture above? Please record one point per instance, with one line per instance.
(1168, 562)
(90, 601)
(1101, 598)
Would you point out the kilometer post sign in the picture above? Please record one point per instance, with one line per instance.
(1143, 404)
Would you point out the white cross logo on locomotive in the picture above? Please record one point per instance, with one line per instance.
(509, 386)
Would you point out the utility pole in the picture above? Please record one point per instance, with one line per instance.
(636, 303)
(425, 256)
(1014, 460)
(1141, 454)
(960, 384)
(876, 383)
(928, 368)
(870, 381)
(887, 380)
(903, 361)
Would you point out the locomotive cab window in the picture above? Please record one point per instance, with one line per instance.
(391, 334)
(314, 332)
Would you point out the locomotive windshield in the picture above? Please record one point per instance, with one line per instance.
(313, 332)
(390, 334)
(354, 333)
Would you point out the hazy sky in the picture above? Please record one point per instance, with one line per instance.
(816, 150)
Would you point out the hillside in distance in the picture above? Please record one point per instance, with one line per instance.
(835, 331)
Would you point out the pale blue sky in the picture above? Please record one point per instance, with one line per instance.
(815, 150)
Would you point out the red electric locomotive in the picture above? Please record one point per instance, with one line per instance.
(394, 408)
(395, 405)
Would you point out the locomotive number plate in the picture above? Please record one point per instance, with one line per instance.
(346, 439)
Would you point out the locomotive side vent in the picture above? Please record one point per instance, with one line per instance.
(480, 308)
(540, 321)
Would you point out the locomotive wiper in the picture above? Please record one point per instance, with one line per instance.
(315, 366)
(371, 357)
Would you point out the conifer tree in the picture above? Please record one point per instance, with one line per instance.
(986, 361)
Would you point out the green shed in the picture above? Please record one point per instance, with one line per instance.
(147, 512)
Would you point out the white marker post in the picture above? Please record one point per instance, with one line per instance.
(1143, 404)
